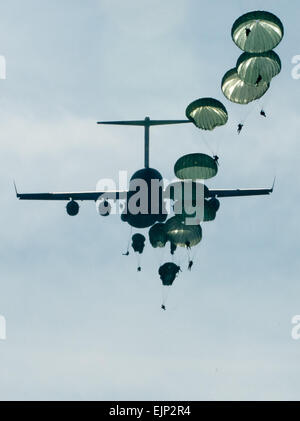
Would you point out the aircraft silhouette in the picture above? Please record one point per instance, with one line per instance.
(75, 196)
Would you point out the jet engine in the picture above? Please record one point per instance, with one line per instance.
(72, 208)
(104, 208)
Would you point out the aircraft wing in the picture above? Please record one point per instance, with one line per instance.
(116, 195)
(238, 192)
(83, 195)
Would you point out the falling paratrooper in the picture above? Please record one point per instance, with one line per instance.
(168, 272)
(138, 245)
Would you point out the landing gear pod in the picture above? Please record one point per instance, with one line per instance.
(72, 208)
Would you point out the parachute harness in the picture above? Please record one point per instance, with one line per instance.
(128, 244)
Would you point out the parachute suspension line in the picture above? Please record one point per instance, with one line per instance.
(128, 244)
(159, 253)
(195, 251)
(263, 104)
(218, 145)
(138, 256)
(194, 254)
(207, 143)
(252, 108)
(165, 294)
(246, 117)
(162, 256)
(178, 259)
(212, 146)
(191, 258)
(264, 101)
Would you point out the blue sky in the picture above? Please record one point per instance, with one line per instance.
(81, 322)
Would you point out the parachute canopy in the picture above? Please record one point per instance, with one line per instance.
(195, 166)
(257, 32)
(181, 234)
(207, 113)
(158, 235)
(138, 243)
(258, 68)
(168, 273)
(240, 92)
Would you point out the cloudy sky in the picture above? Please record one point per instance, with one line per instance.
(81, 322)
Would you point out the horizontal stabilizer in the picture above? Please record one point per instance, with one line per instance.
(146, 122)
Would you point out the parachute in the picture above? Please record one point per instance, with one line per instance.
(236, 90)
(255, 69)
(138, 243)
(168, 273)
(195, 166)
(182, 235)
(257, 32)
(207, 113)
(157, 235)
